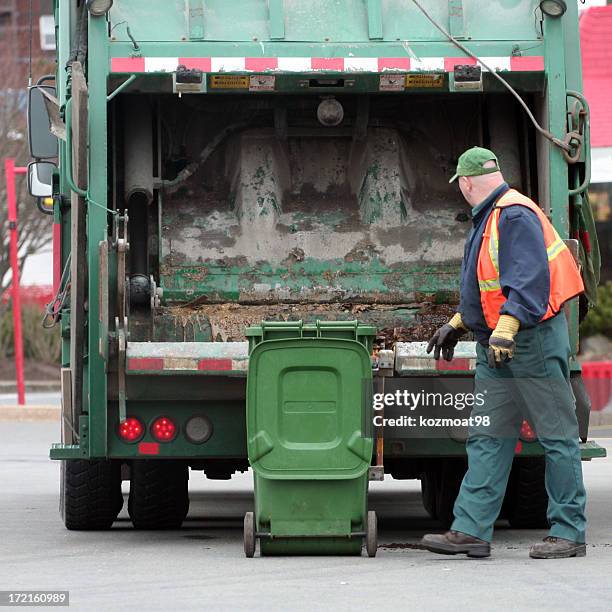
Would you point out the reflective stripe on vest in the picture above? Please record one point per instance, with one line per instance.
(494, 242)
(565, 279)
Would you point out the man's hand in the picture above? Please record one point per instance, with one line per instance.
(501, 342)
(446, 338)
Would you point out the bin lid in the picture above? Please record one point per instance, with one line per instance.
(343, 330)
(308, 408)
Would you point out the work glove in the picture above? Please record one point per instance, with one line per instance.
(446, 338)
(501, 342)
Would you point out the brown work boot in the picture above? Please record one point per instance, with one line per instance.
(557, 548)
(455, 543)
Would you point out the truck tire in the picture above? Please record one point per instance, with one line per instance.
(90, 494)
(439, 488)
(429, 485)
(583, 404)
(451, 474)
(527, 500)
(159, 497)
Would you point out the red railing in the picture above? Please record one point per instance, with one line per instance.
(597, 376)
(31, 295)
(11, 171)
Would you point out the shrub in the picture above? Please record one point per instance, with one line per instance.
(6, 333)
(599, 319)
(39, 344)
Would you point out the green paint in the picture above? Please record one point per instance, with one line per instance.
(373, 277)
(456, 21)
(342, 21)
(555, 69)
(95, 375)
(196, 19)
(375, 20)
(277, 19)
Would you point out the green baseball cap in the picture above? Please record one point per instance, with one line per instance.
(472, 162)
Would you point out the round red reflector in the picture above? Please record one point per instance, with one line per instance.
(131, 430)
(163, 429)
(527, 433)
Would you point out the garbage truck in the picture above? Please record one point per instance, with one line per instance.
(217, 164)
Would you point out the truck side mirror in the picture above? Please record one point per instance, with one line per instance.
(43, 144)
(40, 179)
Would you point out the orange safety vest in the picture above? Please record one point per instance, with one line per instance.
(565, 279)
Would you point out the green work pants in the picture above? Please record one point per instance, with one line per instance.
(533, 386)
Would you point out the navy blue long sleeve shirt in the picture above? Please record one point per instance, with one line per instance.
(523, 266)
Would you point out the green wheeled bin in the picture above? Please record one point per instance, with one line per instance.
(309, 440)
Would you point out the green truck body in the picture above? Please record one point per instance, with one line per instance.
(230, 162)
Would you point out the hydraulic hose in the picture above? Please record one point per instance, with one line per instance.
(548, 135)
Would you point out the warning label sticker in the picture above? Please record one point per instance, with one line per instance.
(424, 81)
(392, 82)
(262, 83)
(227, 81)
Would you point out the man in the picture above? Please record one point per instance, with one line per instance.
(516, 275)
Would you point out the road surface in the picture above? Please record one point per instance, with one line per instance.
(203, 567)
(34, 398)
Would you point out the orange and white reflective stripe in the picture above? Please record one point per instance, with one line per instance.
(181, 364)
(320, 64)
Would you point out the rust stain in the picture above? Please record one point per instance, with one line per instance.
(402, 546)
(415, 322)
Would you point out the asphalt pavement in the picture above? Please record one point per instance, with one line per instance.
(203, 567)
(35, 398)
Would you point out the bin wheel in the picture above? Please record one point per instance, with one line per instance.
(249, 534)
(372, 534)
(429, 488)
(450, 477)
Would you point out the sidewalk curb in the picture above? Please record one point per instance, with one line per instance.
(601, 417)
(30, 413)
(33, 386)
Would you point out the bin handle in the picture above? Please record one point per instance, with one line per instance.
(341, 325)
(296, 326)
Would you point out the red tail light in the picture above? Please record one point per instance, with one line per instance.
(527, 433)
(131, 430)
(163, 429)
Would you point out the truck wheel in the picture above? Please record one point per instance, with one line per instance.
(527, 500)
(250, 541)
(90, 493)
(372, 534)
(429, 485)
(583, 404)
(159, 497)
(450, 476)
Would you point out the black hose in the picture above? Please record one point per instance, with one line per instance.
(77, 50)
(170, 186)
(548, 135)
(83, 38)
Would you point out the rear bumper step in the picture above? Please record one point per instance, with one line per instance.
(227, 358)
